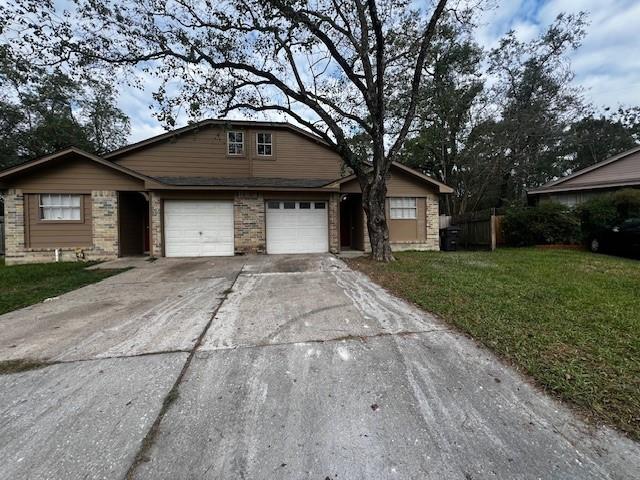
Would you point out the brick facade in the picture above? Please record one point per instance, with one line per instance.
(249, 228)
(432, 211)
(155, 225)
(104, 226)
(14, 226)
(334, 222)
(249, 222)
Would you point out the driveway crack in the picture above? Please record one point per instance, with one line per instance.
(172, 395)
(341, 338)
(297, 318)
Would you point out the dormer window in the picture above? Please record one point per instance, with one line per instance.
(264, 143)
(235, 143)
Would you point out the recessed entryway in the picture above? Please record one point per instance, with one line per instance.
(297, 226)
(352, 222)
(198, 228)
(133, 219)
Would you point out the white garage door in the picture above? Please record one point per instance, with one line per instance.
(297, 227)
(198, 228)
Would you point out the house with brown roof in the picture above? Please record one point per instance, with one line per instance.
(617, 172)
(213, 188)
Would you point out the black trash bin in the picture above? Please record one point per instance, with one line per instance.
(449, 238)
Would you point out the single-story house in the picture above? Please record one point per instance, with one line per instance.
(213, 188)
(617, 172)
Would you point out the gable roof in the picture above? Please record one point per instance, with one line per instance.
(560, 185)
(441, 187)
(214, 122)
(206, 181)
(37, 162)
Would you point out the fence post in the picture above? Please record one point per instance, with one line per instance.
(492, 226)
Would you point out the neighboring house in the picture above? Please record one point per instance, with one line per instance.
(617, 172)
(214, 188)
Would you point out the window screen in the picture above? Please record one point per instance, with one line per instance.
(402, 208)
(60, 206)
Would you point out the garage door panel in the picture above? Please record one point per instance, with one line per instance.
(198, 228)
(297, 230)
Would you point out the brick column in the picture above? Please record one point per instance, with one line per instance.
(14, 226)
(334, 222)
(155, 225)
(104, 224)
(249, 222)
(432, 211)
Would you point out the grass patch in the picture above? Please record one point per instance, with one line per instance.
(570, 319)
(24, 285)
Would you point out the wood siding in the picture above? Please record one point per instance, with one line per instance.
(64, 234)
(399, 184)
(299, 196)
(194, 195)
(201, 153)
(75, 176)
(297, 157)
(623, 170)
(204, 153)
(408, 230)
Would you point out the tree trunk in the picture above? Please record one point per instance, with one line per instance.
(373, 203)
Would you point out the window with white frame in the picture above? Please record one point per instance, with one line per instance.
(264, 144)
(235, 143)
(402, 208)
(60, 206)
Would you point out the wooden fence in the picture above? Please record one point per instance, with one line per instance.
(477, 229)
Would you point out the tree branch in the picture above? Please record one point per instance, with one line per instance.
(417, 76)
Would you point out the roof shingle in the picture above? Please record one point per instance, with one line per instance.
(260, 182)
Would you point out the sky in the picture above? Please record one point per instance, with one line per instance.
(606, 66)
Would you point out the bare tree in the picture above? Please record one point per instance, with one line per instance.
(331, 66)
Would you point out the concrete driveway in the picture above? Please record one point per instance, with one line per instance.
(273, 367)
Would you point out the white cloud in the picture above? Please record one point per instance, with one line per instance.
(142, 130)
(607, 65)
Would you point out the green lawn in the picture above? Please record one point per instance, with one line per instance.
(570, 319)
(24, 285)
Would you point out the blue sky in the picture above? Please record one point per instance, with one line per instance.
(607, 65)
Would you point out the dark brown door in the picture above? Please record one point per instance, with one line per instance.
(145, 229)
(345, 223)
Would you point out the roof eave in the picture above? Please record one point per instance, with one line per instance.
(160, 186)
(590, 168)
(442, 187)
(23, 167)
(601, 186)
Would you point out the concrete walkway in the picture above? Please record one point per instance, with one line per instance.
(273, 367)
